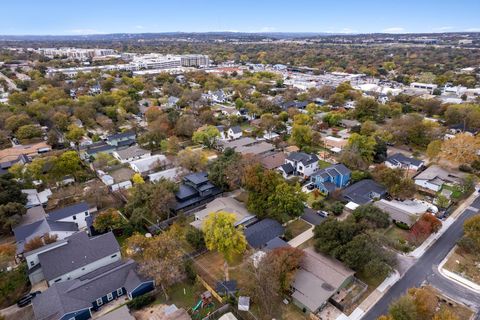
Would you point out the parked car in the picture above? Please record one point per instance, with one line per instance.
(323, 213)
(26, 300)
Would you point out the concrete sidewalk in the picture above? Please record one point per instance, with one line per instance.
(302, 238)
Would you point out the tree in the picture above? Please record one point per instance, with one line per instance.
(302, 135)
(471, 229)
(152, 202)
(228, 170)
(49, 238)
(192, 160)
(425, 301)
(222, 236)
(425, 226)
(397, 184)
(272, 277)
(206, 135)
(364, 144)
(160, 258)
(403, 309)
(442, 201)
(366, 109)
(33, 244)
(10, 215)
(137, 178)
(433, 149)
(371, 215)
(195, 238)
(28, 131)
(445, 314)
(286, 202)
(460, 149)
(68, 163)
(109, 219)
(74, 133)
(186, 125)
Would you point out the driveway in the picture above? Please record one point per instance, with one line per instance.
(425, 271)
(312, 217)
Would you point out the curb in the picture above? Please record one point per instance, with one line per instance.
(451, 276)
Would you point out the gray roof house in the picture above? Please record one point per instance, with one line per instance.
(399, 160)
(25, 233)
(131, 153)
(76, 213)
(117, 138)
(363, 192)
(75, 257)
(318, 279)
(77, 298)
(260, 233)
(399, 212)
(434, 177)
(303, 164)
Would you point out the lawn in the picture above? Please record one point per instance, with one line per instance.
(456, 191)
(323, 164)
(398, 238)
(297, 227)
(183, 295)
(464, 264)
(311, 198)
(13, 285)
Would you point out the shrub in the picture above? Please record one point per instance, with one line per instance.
(318, 205)
(140, 302)
(402, 225)
(195, 238)
(465, 168)
(337, 208)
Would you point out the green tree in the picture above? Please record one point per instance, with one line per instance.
(365, 145)
(222, 236)
(302, 136)
(137, 178)
(109, 219)
(10, 215)
(403, 309)
(366, 109)
(75, 133)
(207, 136)
(28, 131)
(371, 215)
(68, 163)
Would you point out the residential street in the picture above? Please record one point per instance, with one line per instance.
(425, 270)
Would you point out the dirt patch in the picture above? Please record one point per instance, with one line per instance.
(464, 264)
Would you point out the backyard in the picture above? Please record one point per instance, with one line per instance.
(398, 238)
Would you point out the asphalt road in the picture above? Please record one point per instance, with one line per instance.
(425, 270)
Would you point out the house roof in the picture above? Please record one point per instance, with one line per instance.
(303, 158)
(287, 168)
(363, 191)
(68, 211)
(275, 243)
(257, 148)
(238, 143)
(78, 294)
(401, 159)
(397, 212)
(273, 160)
(121, 135)
(227, 204)
(79, 251)
(197, 178)
(436, 172)
(131, 152)
(236, 129)
(318, 279)
(260, 233)
(149, 163)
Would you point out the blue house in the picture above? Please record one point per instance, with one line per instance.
(336, 176)
(77, 298)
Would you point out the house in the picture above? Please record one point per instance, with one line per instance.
(145, 165)
(194, 191)
(299, 164)
(349, 124)
(116, 139)
(31, 150)
(5, 165)
(77, 298)
(434, 177)
(363, 192)
(172, 174)
(273, 161)
(234, 132)
(76, 213)
(294, 104)
(72, 257)
(91, 151)
(260, 233)
(171, 102)
(336, 176)
(39, 228)
(399, 160)
(406, 212)
(217, 96)
(131, 153)
(227, 204)
(318, 279)
(255, 149)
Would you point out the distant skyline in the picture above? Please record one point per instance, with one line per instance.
(54, 17)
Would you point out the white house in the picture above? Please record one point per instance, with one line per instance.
(131, 153)
(76, 213)
(234, 132)
(401, 161)
(147, 164)
(299, 164)
(434, 177)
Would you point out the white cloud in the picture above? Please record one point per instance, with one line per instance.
(84, 31)
(348, 30)
(139, 27)
(394, 30)
(473, 30)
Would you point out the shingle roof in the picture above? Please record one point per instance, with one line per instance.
(363, 191)
(197, 178)
(80, 251)
(68, 211)
(130, 152)
(120, 135)
(287, 168)
(263, 231)
(78, 294)
(400, 158)
(303, 157)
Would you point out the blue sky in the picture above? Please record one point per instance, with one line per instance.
(348, 16)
